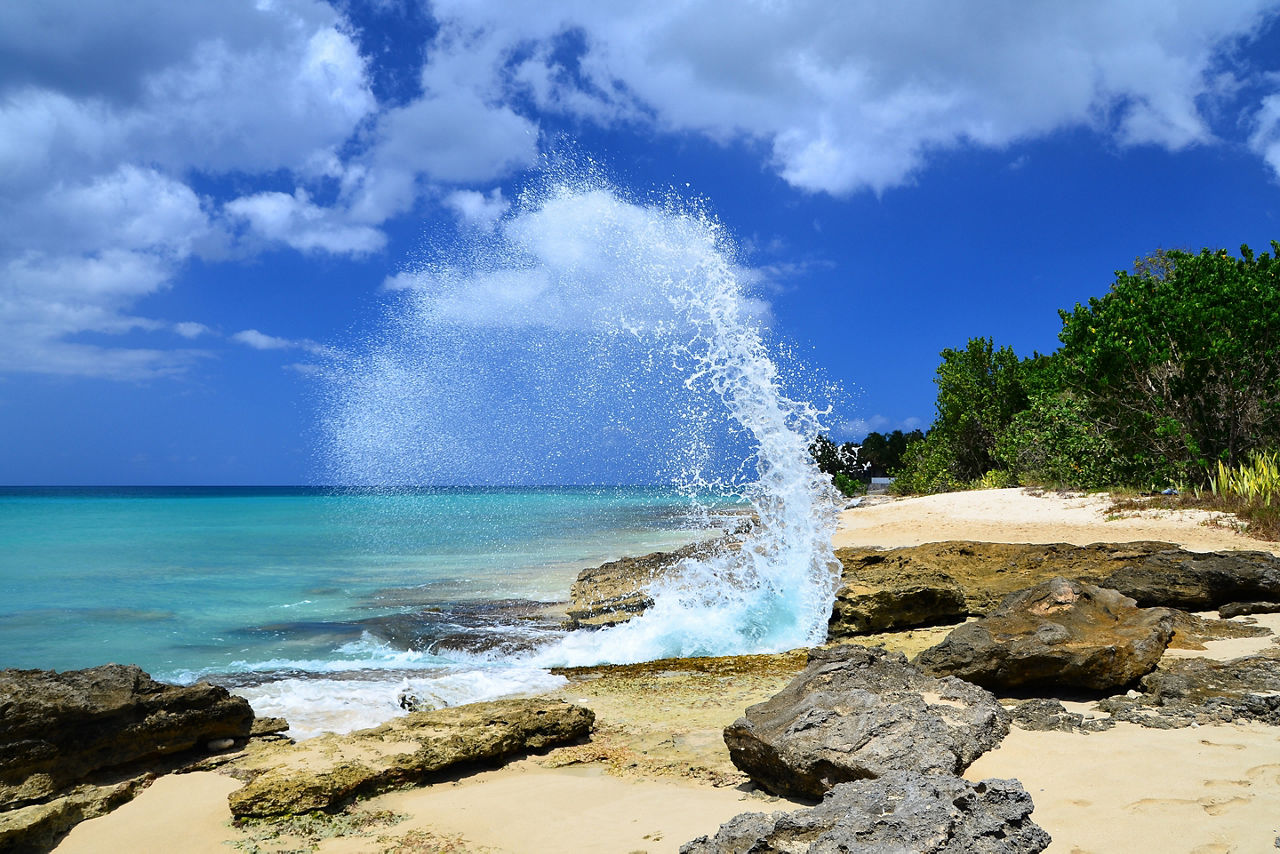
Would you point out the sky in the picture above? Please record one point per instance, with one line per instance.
(202, 202)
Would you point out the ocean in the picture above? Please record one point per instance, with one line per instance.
(319, 605)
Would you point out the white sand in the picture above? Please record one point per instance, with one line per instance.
(1016, 516)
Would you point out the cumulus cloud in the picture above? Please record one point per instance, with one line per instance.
(115, 119)
(109, 113)
(857, 95)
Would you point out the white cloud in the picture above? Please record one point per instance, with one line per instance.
(261, 341)
(475, 209)
(191, 329)
(297, 222)
(858, 95)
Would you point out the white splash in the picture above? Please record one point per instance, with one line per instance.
(584, 336)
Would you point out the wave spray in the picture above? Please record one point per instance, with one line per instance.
(583, 338)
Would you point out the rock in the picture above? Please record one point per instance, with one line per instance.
(327, 772)
(1191, 631)
(1152, 573)
(857, 712)
(1044, 715)
(38, 827)
(1198, 582)
(614, 592)
(1059, 635)
(1185, 691)
(903, 812)
(57, 728)
(1242, 609)
(263, 727)
(878, 599)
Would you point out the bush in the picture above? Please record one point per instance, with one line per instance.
(926, 468)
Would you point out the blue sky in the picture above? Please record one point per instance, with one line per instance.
(202, 201)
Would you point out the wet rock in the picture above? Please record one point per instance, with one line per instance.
(1044, 715)
(1058, 635)
(327, 772)
(1187, 691)
(57, 728)
(616, 591)
(904, 812)
(1242, 609)
(878, 599)
(1152, 573)
(855, 713)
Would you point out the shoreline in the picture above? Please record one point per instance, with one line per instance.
(656, 774)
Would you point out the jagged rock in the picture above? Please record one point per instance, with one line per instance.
(38, 827)
(857, 712)
(1191, 631)
(1044, 715)
(56, 728)
(1152, 573)
(1187, 691)
(263, 727)
(878, 599)
(616, 591)
(1243, 609)
(904, 812)
(326, 772)
(1055, 636)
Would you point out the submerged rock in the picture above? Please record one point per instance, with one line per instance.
(327, 772)
(903, 812)
(856, 712)
(1055, 636)
(57, 728)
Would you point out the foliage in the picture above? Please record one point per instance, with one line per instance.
(995, 479)
(1179, 363)
(926, 467)
(1256, 481)
(979, 391)
(1054, 443)
(834, 459)
(847, 485)
(881, 453)
(306, 831)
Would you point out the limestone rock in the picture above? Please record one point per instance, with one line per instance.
(38, 827)
(1044, 715)
(1152, 573)
(1198, 582)
(1191, 631)
(877, 598)
(903, 812)
(1184, 691)
(616, 591)
(56, 728)
(1055, 636)
(1242, 609)
(856, 712)
(325, 773)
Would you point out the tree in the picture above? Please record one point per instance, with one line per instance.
(1179, 363)
(980, 389)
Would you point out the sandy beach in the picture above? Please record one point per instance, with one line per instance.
(656, 773)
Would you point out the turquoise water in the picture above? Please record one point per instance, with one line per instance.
(285, 582)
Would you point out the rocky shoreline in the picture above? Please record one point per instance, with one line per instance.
(998, 636)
